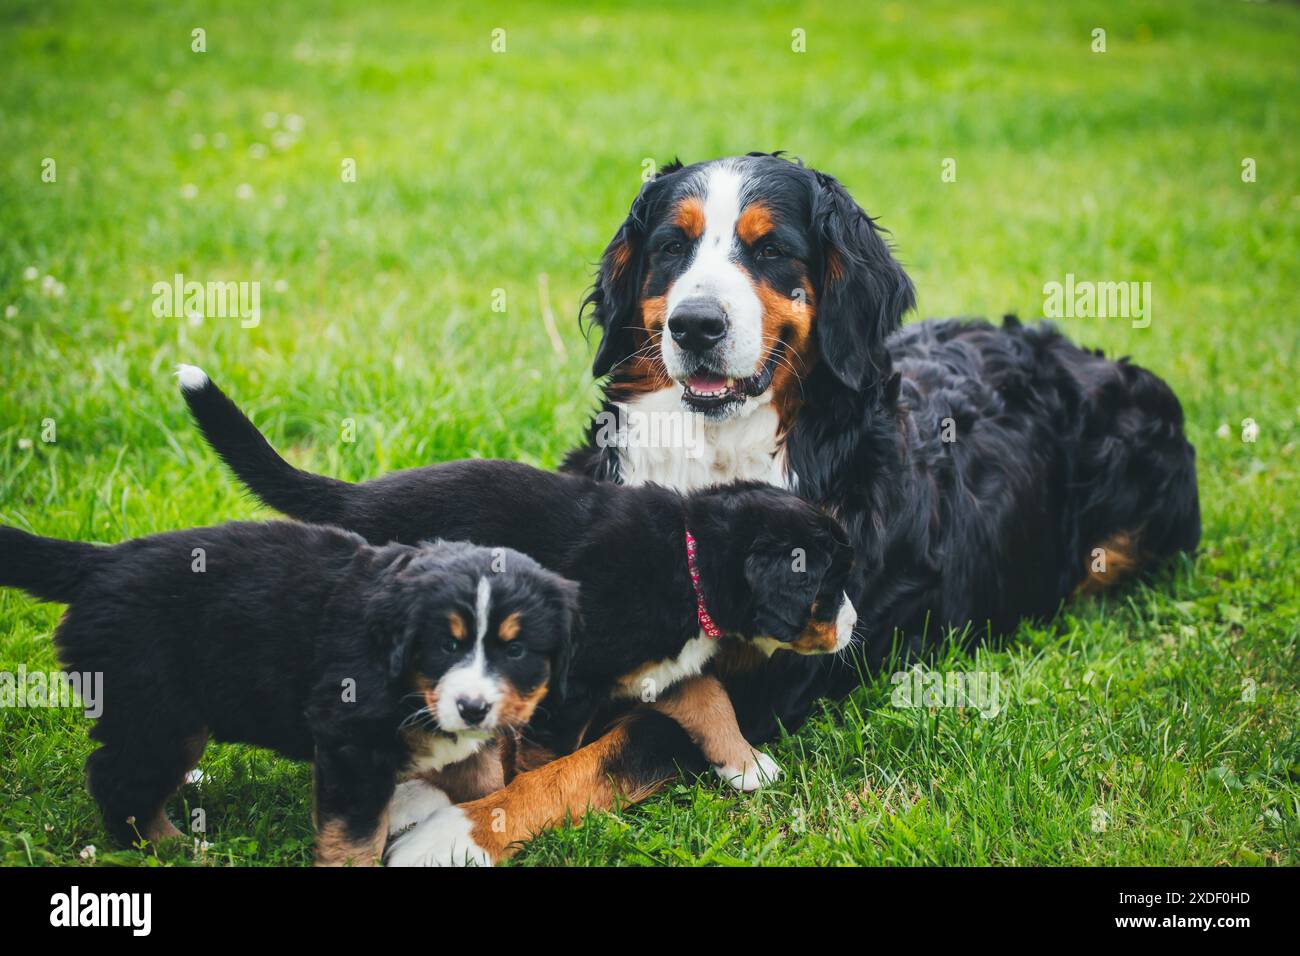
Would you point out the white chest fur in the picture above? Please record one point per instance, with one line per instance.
(647, 684)
(671, 446)
(432, 752)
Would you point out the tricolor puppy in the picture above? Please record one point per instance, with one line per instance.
(762, 566)
(373, 662)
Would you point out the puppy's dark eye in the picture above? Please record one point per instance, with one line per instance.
(673, 247)
(770, 250)
(451, 645)
(515, 651)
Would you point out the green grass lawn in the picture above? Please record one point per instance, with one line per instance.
(1157, 726)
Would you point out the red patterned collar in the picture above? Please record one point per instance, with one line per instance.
(706, 621)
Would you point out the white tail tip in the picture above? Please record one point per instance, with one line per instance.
(191, 377)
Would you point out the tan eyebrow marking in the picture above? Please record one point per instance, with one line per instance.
(754, 223)
(457, 623)
(690, 217)
(509, 628)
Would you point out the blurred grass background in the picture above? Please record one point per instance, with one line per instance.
(480, 171)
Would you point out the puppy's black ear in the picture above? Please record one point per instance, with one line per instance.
(864, 291)
(783, 582)
(562, 659)
(399, 649)
(616, 297)
(389, 611)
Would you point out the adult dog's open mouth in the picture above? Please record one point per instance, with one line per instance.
(709, 391)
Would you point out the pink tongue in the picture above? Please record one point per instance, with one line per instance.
(706, 383)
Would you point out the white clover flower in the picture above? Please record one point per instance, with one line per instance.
(189, 191)
(294, 123)
(197, 141)
(243, 191)
(30, 273)
(257, 151)
(271, 119)
(88, 852)
(11, 311)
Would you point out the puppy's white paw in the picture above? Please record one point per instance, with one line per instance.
(413, 801)
(755, 773)
(443, 839)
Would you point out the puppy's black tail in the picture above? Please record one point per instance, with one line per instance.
(298, 494)
(46, 568)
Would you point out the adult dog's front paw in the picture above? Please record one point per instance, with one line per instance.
(443, 839)
(752, 774)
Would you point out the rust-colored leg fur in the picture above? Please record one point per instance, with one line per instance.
(702, 707)
(629, 763)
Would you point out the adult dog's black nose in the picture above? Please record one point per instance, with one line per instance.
(472, 710)
(697, 325)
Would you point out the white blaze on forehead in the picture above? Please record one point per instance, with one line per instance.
(715, 273)
(482, 605)
(471, 679)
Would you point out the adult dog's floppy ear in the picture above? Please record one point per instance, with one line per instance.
(615, 299)
(864, 291)
(784, 585)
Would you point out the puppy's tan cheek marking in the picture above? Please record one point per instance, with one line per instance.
(457, 625)
(509, 628)
(430, 692)
(689, 217)
(818, 637)
(516, 708)
(754, 223)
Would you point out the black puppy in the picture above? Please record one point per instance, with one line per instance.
(374, 662)
(770, 567)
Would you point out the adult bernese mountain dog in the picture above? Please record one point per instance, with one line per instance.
(984, 474)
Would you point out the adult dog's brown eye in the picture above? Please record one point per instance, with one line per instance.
(769, 251)
(674, 247)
